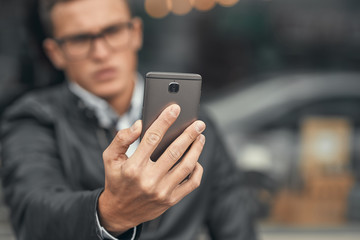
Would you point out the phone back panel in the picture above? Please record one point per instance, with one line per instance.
(157, 97)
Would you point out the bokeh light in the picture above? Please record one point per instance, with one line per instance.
(227, 3)
(203, 5)
(161, 8)
(157, 8)
(180, 7)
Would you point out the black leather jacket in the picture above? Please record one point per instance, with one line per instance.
(52, 172)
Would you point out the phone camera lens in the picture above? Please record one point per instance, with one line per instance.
(174, 87)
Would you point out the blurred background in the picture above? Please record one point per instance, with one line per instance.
(281, 79)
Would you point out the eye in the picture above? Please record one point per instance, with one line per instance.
(115, 30)
(78, 40)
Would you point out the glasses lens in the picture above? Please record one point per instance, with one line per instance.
(77, 47)
(118, 36)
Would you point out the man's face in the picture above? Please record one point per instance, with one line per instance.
(105, 72)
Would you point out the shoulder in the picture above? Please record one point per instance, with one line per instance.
(42, 103)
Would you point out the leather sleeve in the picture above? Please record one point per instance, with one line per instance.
(232, 207)
(43, 205)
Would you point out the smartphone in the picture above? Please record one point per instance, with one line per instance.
(163, 89)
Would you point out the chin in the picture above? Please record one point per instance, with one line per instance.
(108, 91)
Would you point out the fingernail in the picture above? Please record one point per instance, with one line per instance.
(175, 110)
(202, 138)
(199, 126)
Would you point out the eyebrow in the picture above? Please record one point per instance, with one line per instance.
(86, 34)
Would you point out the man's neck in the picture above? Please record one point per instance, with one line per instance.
(121, 102)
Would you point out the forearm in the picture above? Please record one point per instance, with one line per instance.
(57, 215)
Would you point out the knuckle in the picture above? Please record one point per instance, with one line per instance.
(120, 136)
(148, 188)
(174, 153)
(161, 196)
(191, 137)
(195, 183)
(153, 138)
(129, 171)
(188, 168)
(106, 155)
(172, 201)
(201, 169)
(167, 119)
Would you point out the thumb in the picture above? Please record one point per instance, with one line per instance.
(121, 142)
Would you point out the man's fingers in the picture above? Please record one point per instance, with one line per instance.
(187, 165)
(189, 184)
(121, 142)
(177, 148)
(157, 130)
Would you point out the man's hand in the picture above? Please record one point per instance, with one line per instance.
(137, 189)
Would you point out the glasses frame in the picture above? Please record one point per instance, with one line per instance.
(101, 35)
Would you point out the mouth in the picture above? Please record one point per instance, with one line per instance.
(105, 74)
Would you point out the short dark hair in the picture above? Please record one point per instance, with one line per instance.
(45, 8)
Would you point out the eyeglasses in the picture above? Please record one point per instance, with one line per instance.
(77, 47)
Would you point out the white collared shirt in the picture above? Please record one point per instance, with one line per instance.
(106, 114)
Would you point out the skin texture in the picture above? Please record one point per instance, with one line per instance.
(136, 189)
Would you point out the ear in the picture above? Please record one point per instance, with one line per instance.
(54, 53)
(137, 39)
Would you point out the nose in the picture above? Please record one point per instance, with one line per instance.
(100, 49)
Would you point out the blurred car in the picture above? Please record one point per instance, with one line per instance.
(263, 127)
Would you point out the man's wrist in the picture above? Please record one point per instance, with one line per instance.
(108, 218)
(130, 234)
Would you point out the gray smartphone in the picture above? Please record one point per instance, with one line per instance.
(163, 89)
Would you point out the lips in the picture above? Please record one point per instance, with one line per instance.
(105, 74)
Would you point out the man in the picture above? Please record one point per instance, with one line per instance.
(64, 176)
